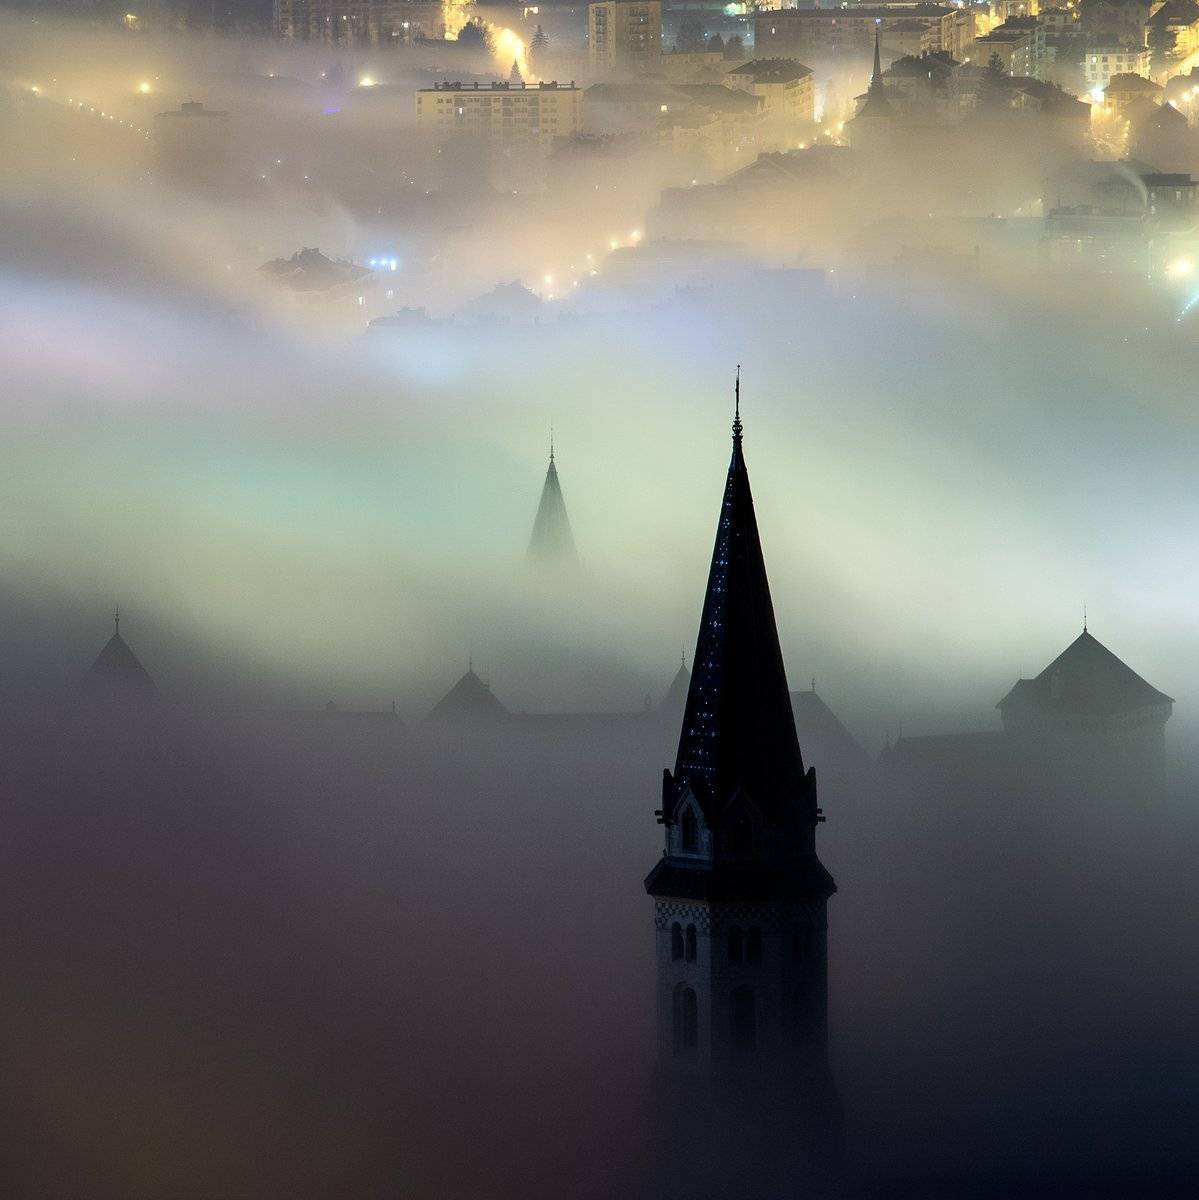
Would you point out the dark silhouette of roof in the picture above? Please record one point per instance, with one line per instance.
(552, 541)
(1159, 116)
(469, 699)
(675, 699)
(772, 70)
(738, 729)
(1174, 12)
(1086, 679)
(308, 270)
(821, 730)
(948, 753)
(1129, 82)
(117, 669)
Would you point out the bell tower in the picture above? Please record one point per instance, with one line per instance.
(739, 894)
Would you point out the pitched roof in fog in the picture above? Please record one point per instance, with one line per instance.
(118, 671)
(470, 698)
(676, 695)
(1086, 679)
(821, 731)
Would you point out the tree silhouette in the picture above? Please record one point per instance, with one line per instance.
(993, 88)
(691, 35)
(475, 35)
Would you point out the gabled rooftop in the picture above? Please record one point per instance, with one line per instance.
(772, 70)
(1086, 679)
(469, 699)
(117, 671)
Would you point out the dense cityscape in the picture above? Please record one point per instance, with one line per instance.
(429, 768)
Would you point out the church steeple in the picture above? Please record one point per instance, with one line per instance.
(876, 103)
(552, 542)
(739, 893)
(738, 728)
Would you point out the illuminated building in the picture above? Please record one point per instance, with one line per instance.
(739, 894)
(624, 35)
(807, 32)
(787, 87)
(1124, 92)
(359, 22)
(1173, 33)
(1101, 64)
(501, 112)
(1014, 42)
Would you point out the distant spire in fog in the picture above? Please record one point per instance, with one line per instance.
(552, 542)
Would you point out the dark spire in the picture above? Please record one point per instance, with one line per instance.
(552, 542)
(738, 728)
(876, 103)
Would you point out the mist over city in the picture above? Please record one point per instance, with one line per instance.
(370, 376)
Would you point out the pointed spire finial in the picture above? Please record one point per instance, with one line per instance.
(116, 620)
(551, 441)
(1084, 616)
(737, 406)
(813, 683)
(470, 664)
(877, 76)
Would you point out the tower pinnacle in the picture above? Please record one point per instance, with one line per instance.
(737, 406)
(552, 542)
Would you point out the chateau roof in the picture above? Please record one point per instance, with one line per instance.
(117, 669)
(470, 698)
(822, 730)
(1086, 679)
(738, 728)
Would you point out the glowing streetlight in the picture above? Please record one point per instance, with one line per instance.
(144, 88)
(366, 81)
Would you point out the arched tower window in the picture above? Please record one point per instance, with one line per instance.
(685, 1019)
(745, 1020)
(690, 830)
(741, 834)
(691, 943)
(736, 944)
(676, 942)
(753, 945)
(803, 942)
